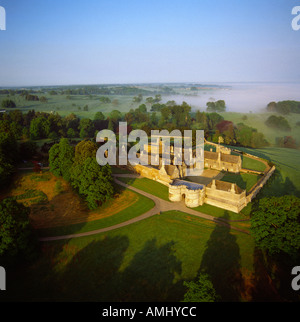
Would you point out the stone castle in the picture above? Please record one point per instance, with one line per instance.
(212, 191)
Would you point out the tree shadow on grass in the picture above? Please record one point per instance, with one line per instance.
(90, 275)
(221, 261)
(277, 186)
(150, 275)
(94, 275)
(263, 289)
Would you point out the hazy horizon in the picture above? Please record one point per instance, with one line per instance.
(243, 97)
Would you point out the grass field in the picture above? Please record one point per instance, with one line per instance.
(244, 180)
(155, 188)
(64, 106)
(286, 179)
(147, 261)
(251, 164)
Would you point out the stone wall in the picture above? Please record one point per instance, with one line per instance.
(256, 188)
(153, 174)
(225, 195)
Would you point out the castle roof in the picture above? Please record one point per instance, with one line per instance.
(188, 184)
(210, 155)
(225, 186)
(230, 158)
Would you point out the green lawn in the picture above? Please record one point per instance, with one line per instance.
(244, 180)
(286, 179)
(252, 164)
(146, 261)
(155, 188)
(219, 212)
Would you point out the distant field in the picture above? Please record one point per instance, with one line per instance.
(64, 106)
(257, 121)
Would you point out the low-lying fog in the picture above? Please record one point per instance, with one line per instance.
(241, 97)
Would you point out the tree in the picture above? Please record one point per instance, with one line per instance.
(54, 161)
(278, 122)
(87, 128)
(99, 116)
(157, 98)
(287, 142)
(9, 155)
(28, 149)
(83, 150)
(105, 100)
(110, 125)
(6, 170)
(7, 103)
(95, 183)
(72, 121)
(71, 133)
(39, 128)
(218, 106)
(53, 136)
(284, 107)
(16, 237)
(275, 224)
(43, 99)
(165, 113)
(200, 291)
(149, 100)
(61, 157)
(214, 119)
(142, 108)
(137, 99)
(115, 116)
(9, 147)
(258, 140)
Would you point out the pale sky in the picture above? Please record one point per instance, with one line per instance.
(53, 42)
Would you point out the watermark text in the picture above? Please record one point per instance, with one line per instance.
(296, 20)
(2, 18)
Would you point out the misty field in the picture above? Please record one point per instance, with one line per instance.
(257, 121)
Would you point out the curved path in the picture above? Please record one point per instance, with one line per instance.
(160, 206)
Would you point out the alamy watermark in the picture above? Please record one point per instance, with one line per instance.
(2, 279)
(296, 280)
(2, 18)
(296, 20)
(160, 152)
